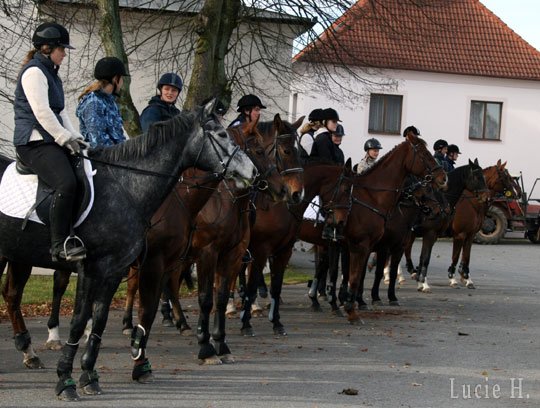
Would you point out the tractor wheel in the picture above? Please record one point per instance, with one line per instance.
(493, 228)
(534, 236)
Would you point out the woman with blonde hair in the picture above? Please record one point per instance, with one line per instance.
(99, 117)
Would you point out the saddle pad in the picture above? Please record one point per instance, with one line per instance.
(312, 211)
(18, 193)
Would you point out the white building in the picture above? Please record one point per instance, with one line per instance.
(451, 68)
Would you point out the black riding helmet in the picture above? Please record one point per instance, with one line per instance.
(52, 34)
(249, 100)
(453, 149)
(170, 78)
(107, 68)
(316, 115)
(412, 129)
(372, 144)
(439, 144)
(339, 131)
(330, 114)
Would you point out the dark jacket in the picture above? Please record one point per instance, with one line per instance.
(450, 164)
(25, 120)
(440, 159)
(325, 149)
(157, 111)
(238, 121)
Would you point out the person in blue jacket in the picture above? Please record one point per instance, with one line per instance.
(100, 121)
(162, 106)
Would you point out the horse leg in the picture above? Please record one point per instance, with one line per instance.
(175, 281)
(425, 256)
(357, 272)
(84, 295)
(206, 266)
(250, 293)
(345, 265)
(321, 266)
(132, 288)
(16, 277)
(165, 306)
(334, 252)
(465, 261)
(408, 257)
(61, 282)
(381, 262)
(279, 263)
(395, 258)
(457, 245)
(89, 379)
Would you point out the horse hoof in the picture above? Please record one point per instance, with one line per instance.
(316, 308)
(167, 323)
(453, 285)
(393, 303)
(470, 285)
(247, 332)
(363, 307)
(146, 378)
(69, 394)
(92, 389)
(230, 315)
(33, 363)
(377, 302)
(426, 290)
(257, 313)
(53, 345)
(212, 360)
(414, 276)
(280, 331)
(186, 332)
(337, 312)
(227, 359)
(127, 332)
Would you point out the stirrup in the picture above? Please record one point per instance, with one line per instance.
(76, 252)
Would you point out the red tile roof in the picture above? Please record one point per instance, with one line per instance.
(447, 36)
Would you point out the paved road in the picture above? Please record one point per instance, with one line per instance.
(428, 353)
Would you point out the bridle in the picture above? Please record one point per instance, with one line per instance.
(278, 159)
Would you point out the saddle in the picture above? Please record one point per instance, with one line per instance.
(24, 195)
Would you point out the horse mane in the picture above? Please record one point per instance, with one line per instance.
(385, 157)
(159, 133)
(267, 126)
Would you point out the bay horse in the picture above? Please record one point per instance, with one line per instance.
(276, 229)
(374, 196)
(468, 177)
(179, 237)
(469, 216)
(132, 181)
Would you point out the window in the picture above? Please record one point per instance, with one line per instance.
(485, 120)
(385, 114)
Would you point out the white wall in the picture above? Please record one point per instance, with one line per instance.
(439, 104)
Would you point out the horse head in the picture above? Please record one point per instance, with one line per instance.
(336, 197)
(421, 163)
(268, 179)
(474, 181)
(504, 183)
(212, 146)
(280, 137)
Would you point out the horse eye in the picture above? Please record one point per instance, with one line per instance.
(259, 152)
(287, 151)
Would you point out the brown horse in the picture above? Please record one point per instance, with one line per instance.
(468, 219)
(276, 228)
(374, 196)
(469, 177)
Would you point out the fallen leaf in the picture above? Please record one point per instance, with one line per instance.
(416, 384)
(349, 391)
(462, 334)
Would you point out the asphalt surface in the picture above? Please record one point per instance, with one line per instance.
(433, 351)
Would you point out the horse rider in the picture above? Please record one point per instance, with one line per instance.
(100, 121)
(440, 148)
(249, 108)
(44, 134)
(324, 147)
(372, 148)
(307, 131)
(452, 156)
(162, 106)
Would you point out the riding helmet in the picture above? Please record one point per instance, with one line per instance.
(412, 129)
(316, 115)
(453, 149)
(339, 131)
(330, 114)
(52, 34)
(249, 100)
(170, 78)
(439, 144)
(372, 144)
(109, 67)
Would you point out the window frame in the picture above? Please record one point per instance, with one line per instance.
(382, 131)
(485, 113)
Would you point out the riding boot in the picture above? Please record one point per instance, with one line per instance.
(64, 247)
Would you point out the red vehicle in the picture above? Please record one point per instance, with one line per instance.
(521, 214)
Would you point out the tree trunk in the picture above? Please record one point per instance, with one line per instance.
(215, 24)
(110, 32)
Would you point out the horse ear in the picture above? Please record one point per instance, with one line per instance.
(209, 108)
(348, 165)
(503, 166)
(299, 122)
(471, 163)
(278, 123)
(476, 162)
(499, 163)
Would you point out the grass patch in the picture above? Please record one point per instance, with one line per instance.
(37, 296)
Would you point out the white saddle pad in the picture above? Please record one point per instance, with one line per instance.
(312, 211)
(18, 193)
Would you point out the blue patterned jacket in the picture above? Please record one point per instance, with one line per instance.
(99, 119)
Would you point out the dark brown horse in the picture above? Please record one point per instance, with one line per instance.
(468, 219)
(276, 228)
(469, 177)
(375, 195)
